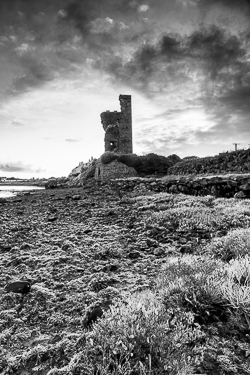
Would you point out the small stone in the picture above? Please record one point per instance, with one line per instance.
(110, 268)
(67, 245)
(14, 262)
(17, 200)
(186, 249)
(52, 218)
(245, 187)
(86, 231)
(110, 213)
(14, 249)
(5, 247)
(183, 240)
(25, 246)
(76, 197)
(134, 254)
(240, 195)
(159, 251)
(173, 189)
(95, 312)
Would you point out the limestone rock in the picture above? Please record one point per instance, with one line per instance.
(240, 195)
(245, 187)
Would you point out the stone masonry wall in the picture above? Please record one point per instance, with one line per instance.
(107, 171)
(118, 127)
(125, 127)
(110, 118)
(237, 186)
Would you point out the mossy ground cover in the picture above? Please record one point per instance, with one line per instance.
(173, 269)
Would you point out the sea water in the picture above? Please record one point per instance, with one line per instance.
(7, 191)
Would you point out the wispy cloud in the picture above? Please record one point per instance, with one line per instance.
(17, 122)
(19, 167)
(71, 140)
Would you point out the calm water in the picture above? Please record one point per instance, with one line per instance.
(11, 190)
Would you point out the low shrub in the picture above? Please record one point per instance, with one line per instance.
(192, 282)
(141, 337)
(236, 243)
(108, 157)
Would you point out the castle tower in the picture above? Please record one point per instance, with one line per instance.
(125, 128)
(118, 127)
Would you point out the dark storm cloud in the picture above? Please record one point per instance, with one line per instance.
(210, 52)
(215, 48)
(41, 40)
(18, 167)
(29, 35)
(228, 3)
(170, 46)
(82, 13)
(237, 98)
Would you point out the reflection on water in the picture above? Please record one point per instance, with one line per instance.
(6, 194)
(7, 191)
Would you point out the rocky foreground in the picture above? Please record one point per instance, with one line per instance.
(89, 247)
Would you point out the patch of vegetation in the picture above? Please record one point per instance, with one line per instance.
(235, 244)
(144, 165)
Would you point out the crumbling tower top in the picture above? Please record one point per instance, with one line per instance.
(118, 127)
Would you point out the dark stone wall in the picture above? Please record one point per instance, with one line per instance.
(119, 170)
(235, 186)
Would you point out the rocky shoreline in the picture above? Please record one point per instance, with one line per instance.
(87, 247)
(65, 221)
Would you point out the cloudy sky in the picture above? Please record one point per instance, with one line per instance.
(186, 64)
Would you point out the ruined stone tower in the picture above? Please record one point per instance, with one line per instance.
(118, 127)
